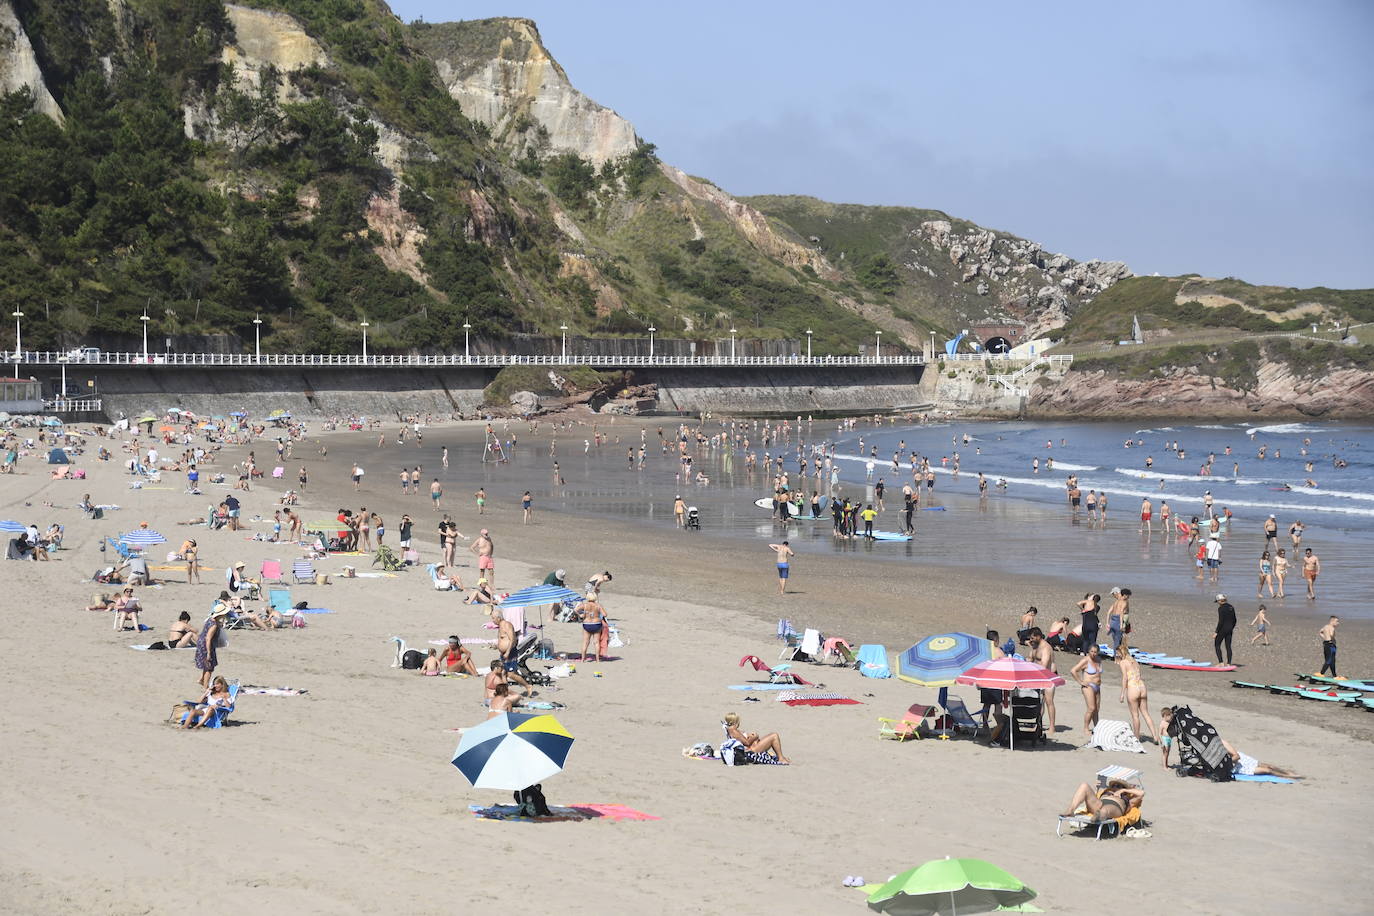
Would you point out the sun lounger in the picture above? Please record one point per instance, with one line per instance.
(1085, 822)
(1129, 776)
(908, 726)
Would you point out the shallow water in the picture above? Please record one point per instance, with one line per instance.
(1028, 527)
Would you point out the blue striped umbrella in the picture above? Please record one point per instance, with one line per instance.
(512, 751)
(539, 594)
(143, 537)
(13, 526)
(937, 660)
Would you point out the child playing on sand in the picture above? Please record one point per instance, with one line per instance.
(1261, 625)
(431, 665)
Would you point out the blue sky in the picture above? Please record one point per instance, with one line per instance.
(1221, 138)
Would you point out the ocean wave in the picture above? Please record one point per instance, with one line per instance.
(1159, 475)
(1283, 429)
(1064, 465)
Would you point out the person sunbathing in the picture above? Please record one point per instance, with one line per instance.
(1243, 764)
(204, 711)
(1113, 802)
(457, 659)
(482, 594)
(502, 701)
(182, 633)
(103, 602)
(443, 582)
(769, 744)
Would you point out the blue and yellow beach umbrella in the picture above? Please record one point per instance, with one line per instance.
(937, 660)
(512, 751)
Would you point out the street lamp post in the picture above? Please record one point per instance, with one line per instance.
(878, 347)
(733, 332)
(364, 325)
(18, 342)
(808, 345)
(64, 359)
(257, 338)
(467, 352)
(564, 329)
(652, 329)
(145, 319)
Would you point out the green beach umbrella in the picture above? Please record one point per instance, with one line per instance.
(950, 887)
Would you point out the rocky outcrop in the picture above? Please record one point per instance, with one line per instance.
(1190, 392)
(1037, 286)
(752, 224)
(18, 65)
(502, 76)
(265, 39)
(608, 299)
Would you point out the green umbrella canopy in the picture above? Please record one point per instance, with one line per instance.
(950, 887)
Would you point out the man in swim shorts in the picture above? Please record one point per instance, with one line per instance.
(486, 563)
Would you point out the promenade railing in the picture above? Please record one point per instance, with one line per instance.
(40, 358)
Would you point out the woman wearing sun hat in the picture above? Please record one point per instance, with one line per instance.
(206, 657)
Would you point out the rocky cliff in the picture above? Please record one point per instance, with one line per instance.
(18, 65)
(503, 76)
(1269, 384)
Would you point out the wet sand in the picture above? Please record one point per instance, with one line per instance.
(343, 800)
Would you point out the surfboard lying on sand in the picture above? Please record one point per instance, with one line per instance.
(1342, 683)
(1184, 664)
(890, 536)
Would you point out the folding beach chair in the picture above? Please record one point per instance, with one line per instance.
(271, 571)
(120, 548)
(960, 716)
(807, 649)
(908, 726)
(836, 652)
(872, 661)
(303, 571)
(222, 712)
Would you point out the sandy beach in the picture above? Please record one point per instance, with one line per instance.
(343, 800)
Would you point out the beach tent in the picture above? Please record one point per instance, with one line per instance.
(57, 456)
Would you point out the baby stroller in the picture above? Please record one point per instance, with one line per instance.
(1026, 717)
(1200, 750)
(390, 562)
(693, 519)
(525, 650)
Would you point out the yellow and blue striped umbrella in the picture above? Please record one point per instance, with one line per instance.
(937, 660)
(512, 751)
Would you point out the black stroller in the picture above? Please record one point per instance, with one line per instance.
(1027, 720)
(693, 519)
(526, 649)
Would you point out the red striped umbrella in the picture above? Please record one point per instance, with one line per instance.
(1010, 674)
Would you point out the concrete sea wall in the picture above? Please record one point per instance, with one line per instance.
(385, 392)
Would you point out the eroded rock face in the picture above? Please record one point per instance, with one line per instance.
(516, 78)
(524, 402)
(1188, 392)
(262, 39)
(1044, 288)
(18, 65)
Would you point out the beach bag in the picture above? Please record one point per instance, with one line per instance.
(321, 579)
(412, 659)
(733, 753)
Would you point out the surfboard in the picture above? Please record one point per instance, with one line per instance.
(1193, 666)
(890, 536)
(932, 508)
(766, 502)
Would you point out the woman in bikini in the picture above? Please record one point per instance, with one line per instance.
(1266, 575)
(1280, 570)
(1115, 800)
(183, 632)
(1134, 694)
(769, 744)
(1088, 674)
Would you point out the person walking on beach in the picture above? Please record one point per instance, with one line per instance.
(1213, 554)
(481, 497)
(1134, 694)
(207, 659)
(593, 622)
(680, 510)
(486, 561)
(1328, 635)
(357, 476)
(1226, 626)
(1271, 533)
(783, 551)
(436, 493)
(527, 506)
(444, 459)
(1266, 576)
(1088, 674)
(1146, 514)
(1116, 616)
(1311, 568)
(191, 553)
(1261, 625)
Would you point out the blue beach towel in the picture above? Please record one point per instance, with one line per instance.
(313, 610)
(873, 661)
(762, 687)
(1264, 778)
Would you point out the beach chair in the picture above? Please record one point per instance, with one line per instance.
(222, 713)
(959, 715)
(120, 548)
(807, 649)
(836, 651)
(1078, 822)
(271, 571)
(433, 570)
(908, 726)
(872, 661)
(303, 571)
(1129, 776)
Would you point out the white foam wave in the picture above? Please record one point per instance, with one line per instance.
(1159, 475)
(1282, 429)
(1064, 465)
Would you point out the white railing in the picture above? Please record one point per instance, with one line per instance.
(411, 361)
(1012, 381)
(71, 405)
